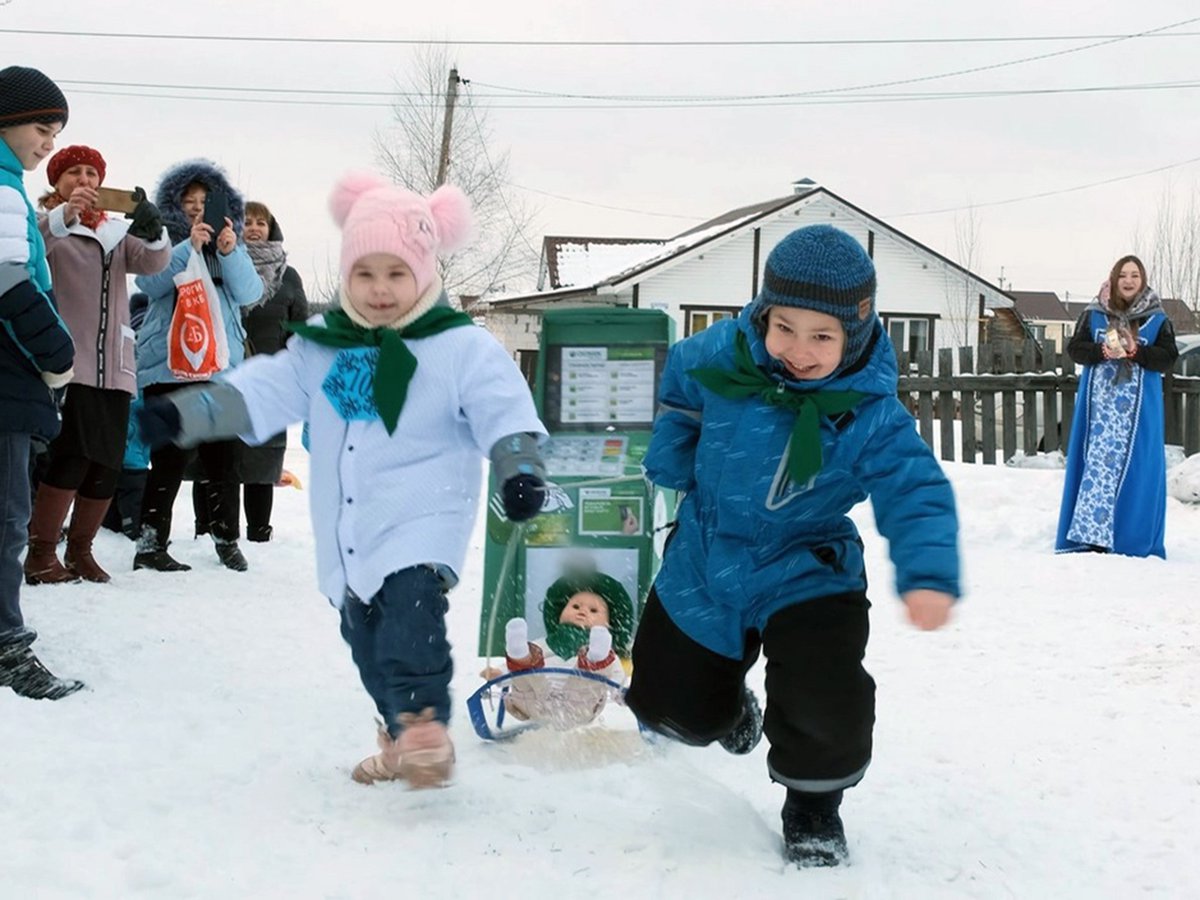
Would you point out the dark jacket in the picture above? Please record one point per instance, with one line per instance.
(33, 338)
(264, 323)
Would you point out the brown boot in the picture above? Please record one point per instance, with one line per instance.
(49, 511)
(89, 514)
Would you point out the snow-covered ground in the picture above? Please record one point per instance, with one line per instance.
(1044, 745)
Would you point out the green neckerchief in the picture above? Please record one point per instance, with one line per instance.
(748, 380)
(396, 363)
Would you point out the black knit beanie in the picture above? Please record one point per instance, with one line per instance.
(26, 95)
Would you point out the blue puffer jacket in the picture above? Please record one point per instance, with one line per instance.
(33, 337)
(749, 542)
(239, 286)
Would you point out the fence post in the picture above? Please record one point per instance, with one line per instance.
(1068, 387)
(966, 366)
(925, 397)
(945, 402)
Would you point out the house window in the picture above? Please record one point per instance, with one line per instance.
(697, 318)
(910, 333)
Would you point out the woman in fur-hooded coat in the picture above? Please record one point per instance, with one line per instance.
(238, 285)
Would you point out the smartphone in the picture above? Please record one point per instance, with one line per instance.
(216, 210)
(116, 200)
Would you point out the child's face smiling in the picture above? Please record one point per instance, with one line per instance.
(381, 288)
(810, 344)
(586, 610)
(31, 142)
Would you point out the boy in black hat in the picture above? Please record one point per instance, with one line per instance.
(775, 425)
(36, 354)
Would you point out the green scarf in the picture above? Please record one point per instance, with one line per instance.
(396, 364)
(748, 380)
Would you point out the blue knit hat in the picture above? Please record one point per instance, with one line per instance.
(821, 268)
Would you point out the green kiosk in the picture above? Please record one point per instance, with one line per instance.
(597, 383)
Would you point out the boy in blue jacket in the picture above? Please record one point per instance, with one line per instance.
(36, 356)
(774, 425)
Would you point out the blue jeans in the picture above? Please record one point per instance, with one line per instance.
(398, 642)
(14, 530)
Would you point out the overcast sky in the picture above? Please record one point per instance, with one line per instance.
(889, 158)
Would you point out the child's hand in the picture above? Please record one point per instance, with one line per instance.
(928, 609)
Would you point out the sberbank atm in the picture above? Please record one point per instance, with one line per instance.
(597, 384)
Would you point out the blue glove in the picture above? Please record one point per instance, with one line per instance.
(523, 496)
(158, 421)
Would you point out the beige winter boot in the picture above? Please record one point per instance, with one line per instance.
(384, 765)
(426, 754)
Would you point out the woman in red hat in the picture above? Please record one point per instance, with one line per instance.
(90, 253)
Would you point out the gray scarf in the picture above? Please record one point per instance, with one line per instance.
(270, 261)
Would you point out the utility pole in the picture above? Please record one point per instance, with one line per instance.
(447, 127)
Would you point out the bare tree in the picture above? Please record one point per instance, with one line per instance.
(962, 301)
(502, 254)
(1172, 251)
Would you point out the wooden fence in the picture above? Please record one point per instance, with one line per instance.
(1008, 397)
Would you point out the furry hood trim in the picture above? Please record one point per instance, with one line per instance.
(168, 195)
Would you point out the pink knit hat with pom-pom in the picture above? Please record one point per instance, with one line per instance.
(376, 216)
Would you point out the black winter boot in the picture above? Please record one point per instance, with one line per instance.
(231, 556)
(150, 555)
(812, 829)
(21, 670)
(745, 735)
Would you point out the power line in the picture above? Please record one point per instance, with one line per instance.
(491, 168)
(873, 85)
(903, 97)
(767, 42)
(1038, 196)
(642, 212)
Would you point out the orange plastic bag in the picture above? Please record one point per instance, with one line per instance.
(196, 344)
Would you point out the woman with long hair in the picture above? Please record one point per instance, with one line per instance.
(1115, 494)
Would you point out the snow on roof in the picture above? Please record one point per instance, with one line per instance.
(588, 261)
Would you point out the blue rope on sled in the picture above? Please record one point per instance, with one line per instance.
(479, 719)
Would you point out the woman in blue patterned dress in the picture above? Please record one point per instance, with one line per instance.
(1115, 494)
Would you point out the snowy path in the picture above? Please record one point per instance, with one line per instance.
(1045, 745)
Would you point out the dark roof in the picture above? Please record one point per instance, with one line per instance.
(1041, 305)
(742, 212)
(1075, 308)
(1181, 315)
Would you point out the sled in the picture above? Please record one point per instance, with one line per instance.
(493, 722)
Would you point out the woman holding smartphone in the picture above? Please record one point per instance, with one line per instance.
(195, 198)
(89, 252)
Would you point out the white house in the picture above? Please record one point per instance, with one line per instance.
(709, 272)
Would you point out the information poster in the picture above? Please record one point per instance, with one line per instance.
(598, 456)
(607, 385)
